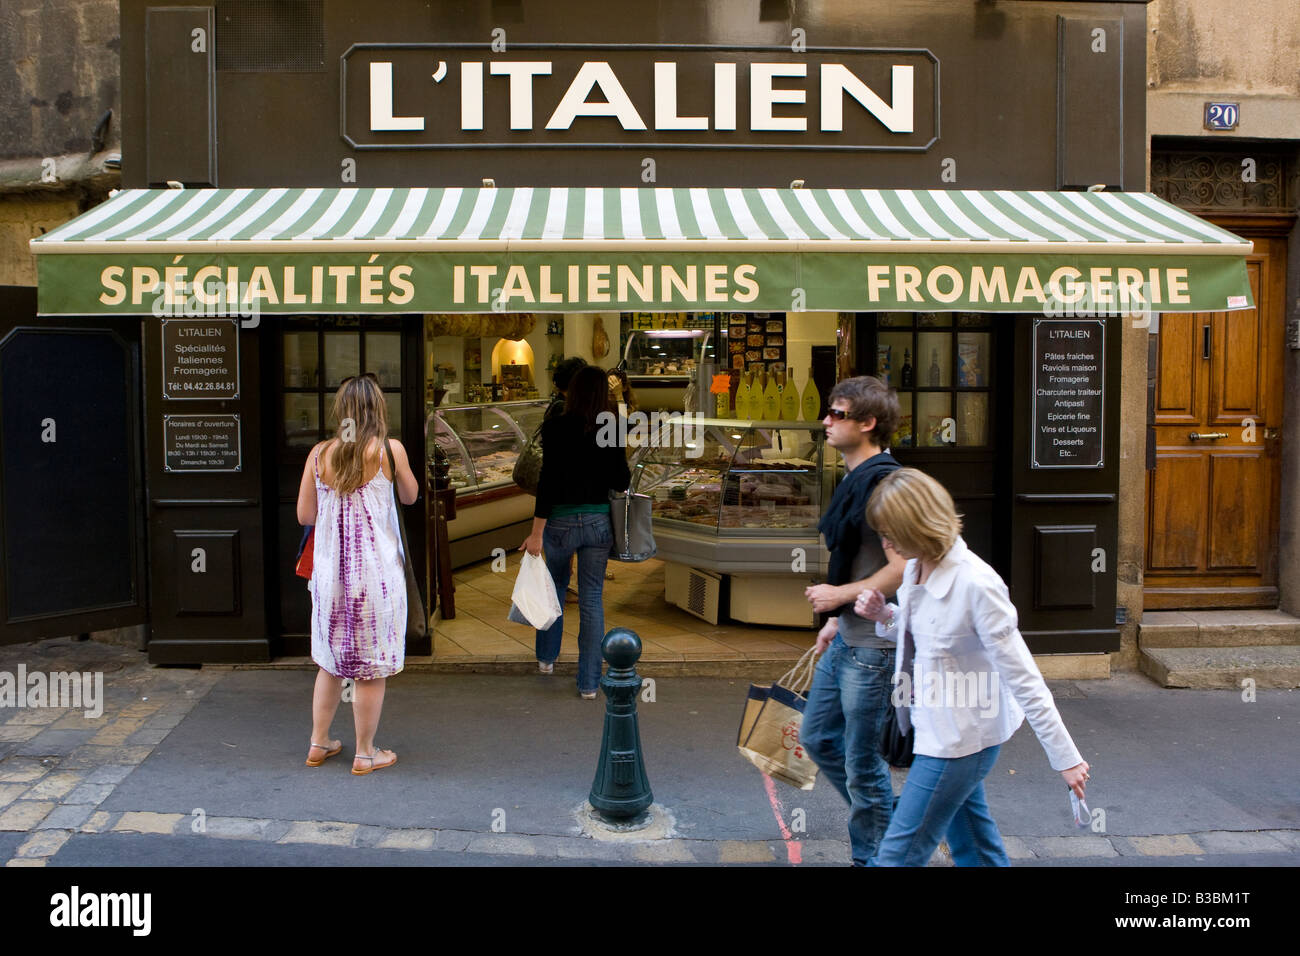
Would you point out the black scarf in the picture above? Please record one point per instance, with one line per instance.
(844, 524)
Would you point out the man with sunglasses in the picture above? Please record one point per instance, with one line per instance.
(853, 680)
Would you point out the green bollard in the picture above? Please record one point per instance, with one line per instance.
(621, 791)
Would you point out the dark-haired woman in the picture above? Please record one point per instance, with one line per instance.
(358, 582)
(583, 463)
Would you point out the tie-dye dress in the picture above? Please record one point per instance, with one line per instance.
(358, 582)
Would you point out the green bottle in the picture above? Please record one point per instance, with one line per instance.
(789, 399)
(812, 400)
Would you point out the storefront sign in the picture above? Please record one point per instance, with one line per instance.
(453, 96)
(200, 358)
(201, 443)
(388, 282)
(1069, 386)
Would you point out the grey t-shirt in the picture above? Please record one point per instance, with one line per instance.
(859, 631)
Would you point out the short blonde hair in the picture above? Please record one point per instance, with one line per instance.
(915, 512)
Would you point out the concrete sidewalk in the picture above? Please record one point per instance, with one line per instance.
(498, 768)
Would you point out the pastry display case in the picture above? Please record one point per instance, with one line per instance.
(482, 442)
(738, 497)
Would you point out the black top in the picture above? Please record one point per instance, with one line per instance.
(845, 522)
(575, 470)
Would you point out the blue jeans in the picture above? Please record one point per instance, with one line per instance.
(591, 536)
(841, 733)
(945, 797)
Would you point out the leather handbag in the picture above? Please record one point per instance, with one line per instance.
(528, 466)
(895, 746)
(417, 622)
(634, 537)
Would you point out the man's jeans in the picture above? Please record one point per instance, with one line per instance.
(841, 733)
(944, 797)
(591, 536)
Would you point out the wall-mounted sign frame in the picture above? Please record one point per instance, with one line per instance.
(1067, 417)
(202, 443)
(200, 359)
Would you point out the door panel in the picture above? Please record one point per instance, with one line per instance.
(1212, 500)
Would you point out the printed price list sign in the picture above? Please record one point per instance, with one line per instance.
(200, 358)
(1069, 399)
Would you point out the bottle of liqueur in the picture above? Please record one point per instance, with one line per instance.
(743, 398)
(934, 367)
(909, 374)
(722, 404)
(771, 399)
(789, 399)
(812, 399)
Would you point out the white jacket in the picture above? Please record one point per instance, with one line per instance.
(973, 680)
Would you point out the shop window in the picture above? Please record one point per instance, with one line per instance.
(940, 364)
(317, 355)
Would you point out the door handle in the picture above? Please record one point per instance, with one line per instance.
(1205, 341)
(1196, 436)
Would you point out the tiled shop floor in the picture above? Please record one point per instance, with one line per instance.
(633, 599)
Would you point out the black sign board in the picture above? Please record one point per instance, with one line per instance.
(1069, 372)
(200, 358)
(201, 442)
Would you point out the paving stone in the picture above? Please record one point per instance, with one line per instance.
(742, 851)
(163, 722)
(22, 770)
(9, 793)
(407, 840)
(54, 785)
(1017, 849)
(452, 841)
(89, 756)
(110, 774)
(38, 716)
(141, 708)
(18, 732)
(1175, 844)
(831, 852)
(164, 823)
(24, 814)
(584, 848)
(1290, 838)
(667, 851)
(99, 822)
(367, 836)
(43, 844)
(66, 817)
(1071, 847)
(75, 721)
(51, 742)
(92, 793)
(510, 843)
(324, 833)
(148, 737)
(22, 861)
(115, 734)
(1228, 841)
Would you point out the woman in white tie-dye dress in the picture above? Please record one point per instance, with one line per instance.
(358, 583)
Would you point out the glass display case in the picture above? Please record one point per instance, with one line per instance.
(737, 496)
(482, 442)
(653, 355)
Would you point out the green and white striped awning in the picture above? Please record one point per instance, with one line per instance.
(363, 250)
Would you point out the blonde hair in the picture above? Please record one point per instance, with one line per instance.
(359, 401)
(915, 512)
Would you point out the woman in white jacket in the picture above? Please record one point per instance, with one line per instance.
(964, 679)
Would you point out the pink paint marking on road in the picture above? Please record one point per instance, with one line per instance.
(793, 848)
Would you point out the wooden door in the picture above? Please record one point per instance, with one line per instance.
(1212, 500)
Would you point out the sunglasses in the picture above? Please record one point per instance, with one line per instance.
(838, 414)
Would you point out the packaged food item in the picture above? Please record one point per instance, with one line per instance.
(775, 325)
(970, 365)
(883, 356)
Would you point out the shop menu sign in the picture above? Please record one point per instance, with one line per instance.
(201, 443)
(1069, 399)
(200, 358)
(452, 96)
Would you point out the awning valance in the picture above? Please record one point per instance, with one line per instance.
(401, 250)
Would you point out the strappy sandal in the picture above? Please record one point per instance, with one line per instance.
(373, 766)
(328, 753)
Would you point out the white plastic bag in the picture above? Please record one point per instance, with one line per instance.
(533, 600)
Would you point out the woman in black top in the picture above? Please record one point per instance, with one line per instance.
(582, 462)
